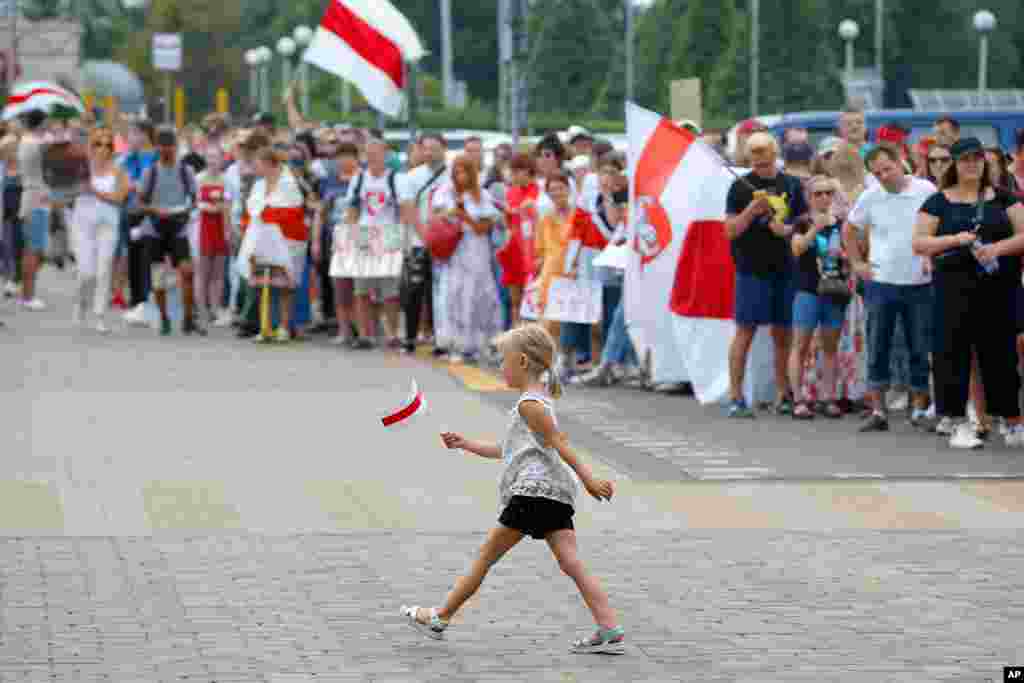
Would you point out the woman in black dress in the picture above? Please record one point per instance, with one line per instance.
(975, 235)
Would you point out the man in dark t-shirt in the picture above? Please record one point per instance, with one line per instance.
(761, 210)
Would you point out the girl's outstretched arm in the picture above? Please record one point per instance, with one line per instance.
(492, 451)
(540, 422)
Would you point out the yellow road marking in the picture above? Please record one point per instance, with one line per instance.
(30, 505)
(174, 505)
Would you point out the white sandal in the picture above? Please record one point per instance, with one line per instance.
(433, 629)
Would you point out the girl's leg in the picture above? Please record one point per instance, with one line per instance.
(204, 268)
(515, 297)
(563, 546)
(218, 264)
(499, 541)
(285, 302)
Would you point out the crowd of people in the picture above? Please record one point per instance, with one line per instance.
(890, 280)
(889, 275)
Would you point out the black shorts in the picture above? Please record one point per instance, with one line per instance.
(536, 517)
(170, 240)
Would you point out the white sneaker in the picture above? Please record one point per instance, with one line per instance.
(965, 437)
(11, 289)
(1015, 436)
(34, 304)
(339, 340)
(101, 327)
(224, 319)
(136, 317)
(899, 402)
(945, 427)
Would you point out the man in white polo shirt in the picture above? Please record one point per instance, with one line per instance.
(896, 282)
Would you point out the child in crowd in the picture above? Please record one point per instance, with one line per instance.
(213, 241)
(537, 491)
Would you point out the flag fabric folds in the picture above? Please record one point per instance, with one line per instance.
(367, 42)
(42, 95)
(680, 286)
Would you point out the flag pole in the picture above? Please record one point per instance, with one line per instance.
(410, 98)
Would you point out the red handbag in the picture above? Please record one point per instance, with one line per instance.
(442, 238)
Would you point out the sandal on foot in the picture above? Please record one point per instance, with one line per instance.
(608, 641)
(802, 411)
(434, 628)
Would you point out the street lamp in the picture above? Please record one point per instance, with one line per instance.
(984, 24)
(286, 48)
(252, 60)
(848, 31)
(265, 57)
(303, 36)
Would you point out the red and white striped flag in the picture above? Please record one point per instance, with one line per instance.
(415, 404)
(367, 43)
(680, 288)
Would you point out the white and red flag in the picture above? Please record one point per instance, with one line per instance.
(42, 95)
(367, 42)
(415, 404)
(680, 286)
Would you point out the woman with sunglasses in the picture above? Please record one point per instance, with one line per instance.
(975, 234)
(95, 223)
(939, 160)
(818, 249)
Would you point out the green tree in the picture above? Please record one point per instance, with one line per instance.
(700, 35)
(654, 52)
(209, 61)
(728, 88)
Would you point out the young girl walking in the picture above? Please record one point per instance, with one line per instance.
(537, 491)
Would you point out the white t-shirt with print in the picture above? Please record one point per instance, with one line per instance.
(376, 206)
(889, 219)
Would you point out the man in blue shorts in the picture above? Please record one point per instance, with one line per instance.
(765, 282)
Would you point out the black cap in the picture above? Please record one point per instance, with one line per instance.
(263, 118)
(966, 146)
(797, 152)
(166, 137)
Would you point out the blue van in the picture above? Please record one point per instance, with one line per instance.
(992, 127)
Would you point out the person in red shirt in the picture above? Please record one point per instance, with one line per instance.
(516, 257)
(213, 244)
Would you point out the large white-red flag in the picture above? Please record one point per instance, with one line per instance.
(680, 286)
(367, 42)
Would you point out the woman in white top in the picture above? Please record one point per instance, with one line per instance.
(473, 309)
(277, 232)
(95, 224)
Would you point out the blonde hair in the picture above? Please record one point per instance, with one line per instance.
(823, 181)
(540, 349)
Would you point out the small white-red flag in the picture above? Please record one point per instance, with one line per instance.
(416, 404)
(367, 42)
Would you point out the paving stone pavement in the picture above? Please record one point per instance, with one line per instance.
(208, 510)
(733, 605)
